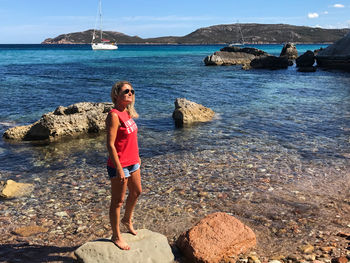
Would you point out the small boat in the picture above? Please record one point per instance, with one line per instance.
(101, 44)
(241, 43)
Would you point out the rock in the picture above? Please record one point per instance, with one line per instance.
(27, 231)
(228, 58)
(61, 214)
(248, 50)
(289, 50)
(336, 56)
(307, 69)
(233, 56)
(270, 62)
(306, 60)
(344, 234)
(12, 189)
(327, 249)
(146, 246)
(341, 259)
(187, 112)
(307, 249)
(76, 119)
(253, 259)
(310, 257)
(246, 66)
(215, 237)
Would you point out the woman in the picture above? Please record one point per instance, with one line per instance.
(124, 162)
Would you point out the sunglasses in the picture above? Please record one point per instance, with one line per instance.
(128, 90)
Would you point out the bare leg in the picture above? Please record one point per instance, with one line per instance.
(118, 195)
(135, 189)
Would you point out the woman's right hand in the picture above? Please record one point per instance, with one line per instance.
(121, 175)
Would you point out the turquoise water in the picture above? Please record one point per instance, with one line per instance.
(306, 115)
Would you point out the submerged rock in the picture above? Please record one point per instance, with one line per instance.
(336, 56)
(76, 119)
(146, 246)
(188, 112)
(12, 189)
(27, 231)
(215, 237)
(233, 56)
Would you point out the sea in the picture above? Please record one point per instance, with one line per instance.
(303, 115)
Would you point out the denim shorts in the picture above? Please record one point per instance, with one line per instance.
(112, 172)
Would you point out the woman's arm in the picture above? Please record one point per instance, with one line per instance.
(112, 125)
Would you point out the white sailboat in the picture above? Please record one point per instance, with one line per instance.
(101, 44)
(241, 40)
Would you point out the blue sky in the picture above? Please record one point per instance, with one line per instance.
(31, 21)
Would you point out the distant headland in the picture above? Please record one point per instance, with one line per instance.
(219, 34)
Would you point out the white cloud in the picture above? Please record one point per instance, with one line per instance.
(338, 6)
(325, 12)
(312, 15)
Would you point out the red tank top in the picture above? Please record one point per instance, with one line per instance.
(126, 141)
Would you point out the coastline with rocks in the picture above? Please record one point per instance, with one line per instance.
(294, 221)
(335, 56)
(273, 153)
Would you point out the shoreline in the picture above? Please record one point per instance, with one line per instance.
(166, 44)
(288, 205)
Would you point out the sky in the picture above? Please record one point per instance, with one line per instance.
(32, 21)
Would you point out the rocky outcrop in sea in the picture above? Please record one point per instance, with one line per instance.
(71, 121)
(336, 56)
(232, 55)
(252, 58)
(187, 112)
(289, 50)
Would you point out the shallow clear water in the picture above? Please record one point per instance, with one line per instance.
(306, 115)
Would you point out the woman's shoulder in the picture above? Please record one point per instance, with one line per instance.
(122, 115)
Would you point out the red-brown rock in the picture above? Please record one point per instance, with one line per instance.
(340, 260)
(214, 237)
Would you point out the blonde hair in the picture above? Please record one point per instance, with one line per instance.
(115, 92)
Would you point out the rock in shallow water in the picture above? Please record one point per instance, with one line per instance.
(76, 119)
(188, 112)
(146, 246)
(12, 189)
(215, 237)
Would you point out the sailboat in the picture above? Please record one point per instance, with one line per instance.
(241, 43)
(101, 44)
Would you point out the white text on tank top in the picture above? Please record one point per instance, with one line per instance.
(130, 126)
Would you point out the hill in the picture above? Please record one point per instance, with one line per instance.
(219, 34)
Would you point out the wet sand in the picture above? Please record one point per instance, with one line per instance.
(288, 200)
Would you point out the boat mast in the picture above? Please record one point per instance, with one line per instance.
(240, 31)
(100, 12)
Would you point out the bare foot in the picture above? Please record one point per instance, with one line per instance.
(120, 243)
(129, 226)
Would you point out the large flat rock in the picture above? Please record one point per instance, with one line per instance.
(71, 121)
(146, 246)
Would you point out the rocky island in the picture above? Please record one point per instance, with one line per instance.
(219, 34)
